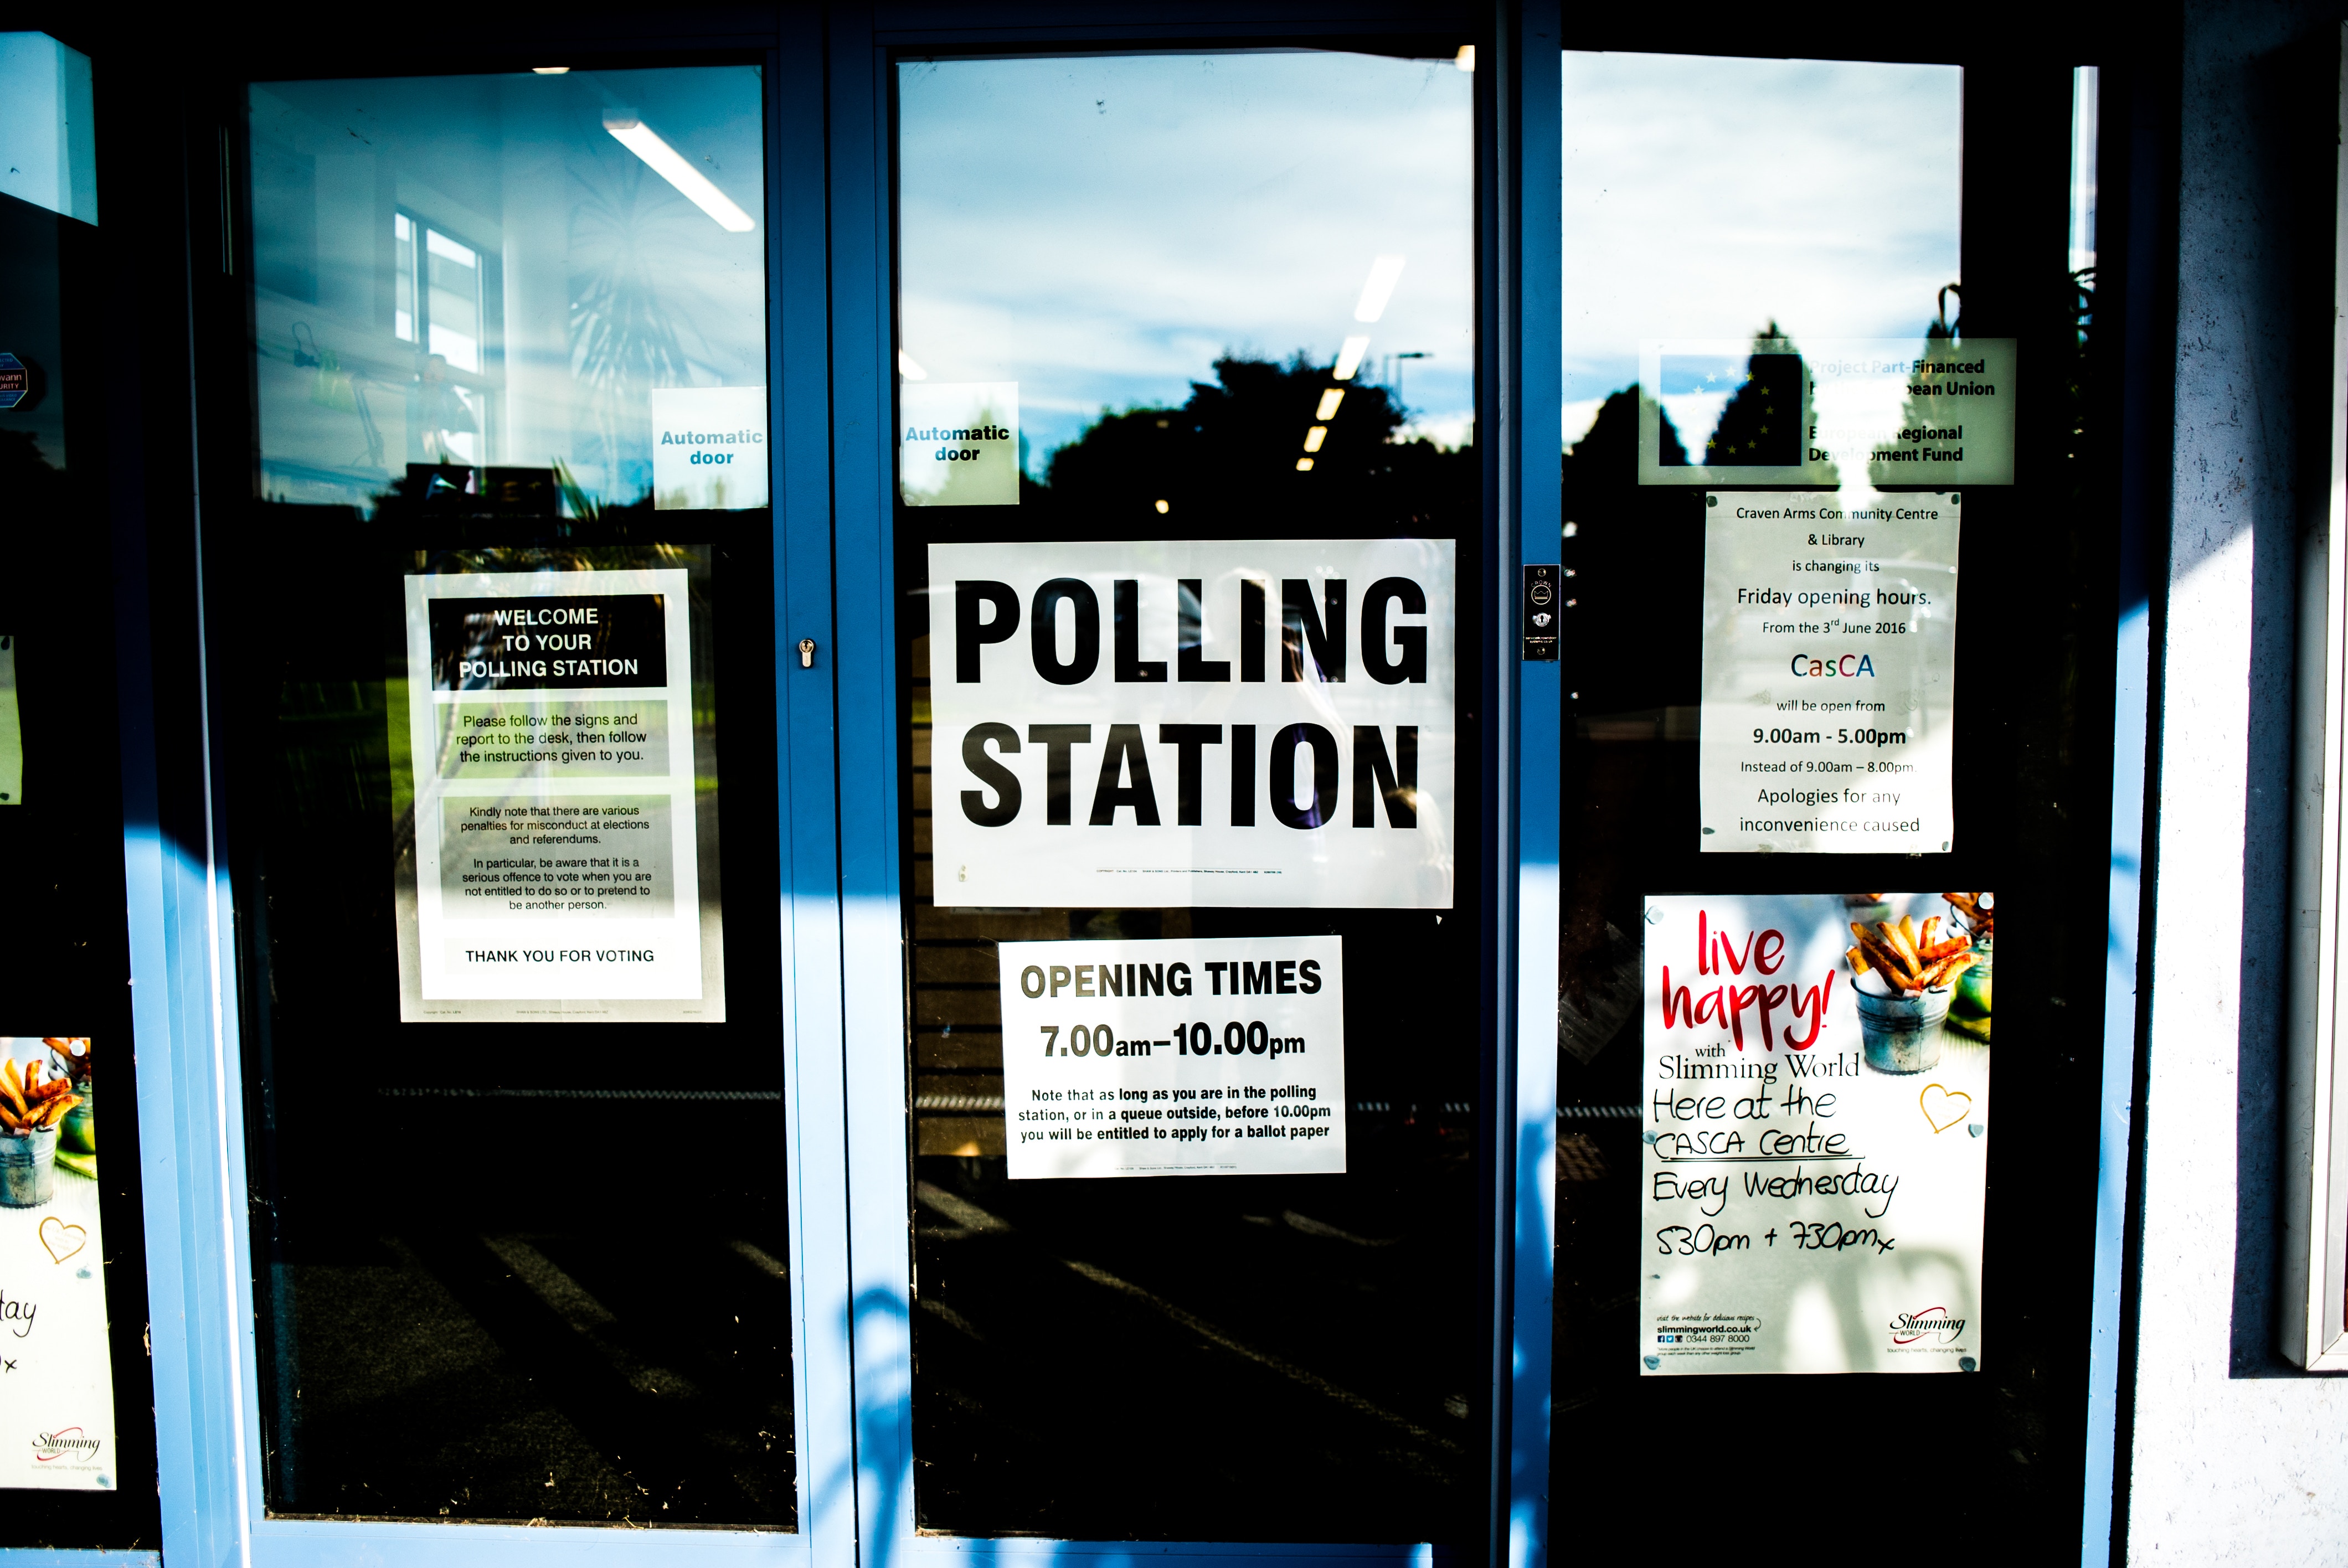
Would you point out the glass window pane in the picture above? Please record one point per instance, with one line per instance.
(519, 1230)
(1216, 308)
(554, 273)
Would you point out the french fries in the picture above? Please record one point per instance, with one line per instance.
(1912, 959)
(1976, 914)
(29, 1102)
(1884, 955)
(72, 1053)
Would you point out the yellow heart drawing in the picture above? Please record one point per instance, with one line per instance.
(55, 1238)
(1955, 1112)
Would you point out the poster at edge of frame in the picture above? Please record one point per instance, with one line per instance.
(58, 1415)
(1816, 1115)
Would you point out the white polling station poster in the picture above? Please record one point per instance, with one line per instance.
(550, 735)
(1817, 1138)
(1212, 1056)
(1829, 672)
(1258, 722)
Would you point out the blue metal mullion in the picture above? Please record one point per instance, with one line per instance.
(804, 718)
(150, 871)
(181, 949)
(872, 974)
(1532, 130)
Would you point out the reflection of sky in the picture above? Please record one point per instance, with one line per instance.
(1707, 197)
(1102, 230)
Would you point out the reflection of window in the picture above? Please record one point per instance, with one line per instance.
(403, 309)
(452, 321)
(445, 314)
(436, 303)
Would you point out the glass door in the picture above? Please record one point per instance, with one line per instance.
(1839, 458)
(501, 819)
(1176, 1150)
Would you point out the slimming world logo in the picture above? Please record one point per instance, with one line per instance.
(1907, 1328)
(68, 1443)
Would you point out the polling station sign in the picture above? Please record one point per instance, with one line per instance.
(1263, 723)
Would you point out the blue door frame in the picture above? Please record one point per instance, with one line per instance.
(830, 303)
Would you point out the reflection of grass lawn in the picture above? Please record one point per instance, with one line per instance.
(403, 772)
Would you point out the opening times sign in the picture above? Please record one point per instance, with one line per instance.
(1254, 722)
(1213, 1056)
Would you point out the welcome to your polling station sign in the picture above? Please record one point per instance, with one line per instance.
(1244, 723)
(557, 861)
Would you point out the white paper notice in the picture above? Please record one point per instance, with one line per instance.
(1260, 723)
(550, 722)
(1829, 673)
(1816, 1149)
(1835, 413)
(56, 1378)
(710, 448)
(1182, 1058)
(959, 445)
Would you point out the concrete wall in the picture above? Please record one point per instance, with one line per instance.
(2237, 1457)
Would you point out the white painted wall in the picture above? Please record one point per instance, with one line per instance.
(2237, 1457)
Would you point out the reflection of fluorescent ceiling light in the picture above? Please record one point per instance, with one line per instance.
(1465, 59)
(670, 165)
(1349, 358)
(1379, 289)
(1305, 464)
(1315, 436)
(549, 70)
(908, 369)
(1329, 401)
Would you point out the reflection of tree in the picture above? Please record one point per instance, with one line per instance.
(33, 487)
(1940, 345)
(624, 247)
(1230, 451)
(1625, 537)
(1766, 421)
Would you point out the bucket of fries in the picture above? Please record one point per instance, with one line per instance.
(1900, 1029)
(1904, 977)
(28, 1168)
(31, 1107)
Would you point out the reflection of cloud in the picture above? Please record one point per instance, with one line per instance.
(1694, 415)
(1579, 415)
(1705, 197)
(1450, 430)
(1102, 230)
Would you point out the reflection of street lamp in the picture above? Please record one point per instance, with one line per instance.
(1396, 377)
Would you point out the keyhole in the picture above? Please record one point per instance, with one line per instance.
(807, 652)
